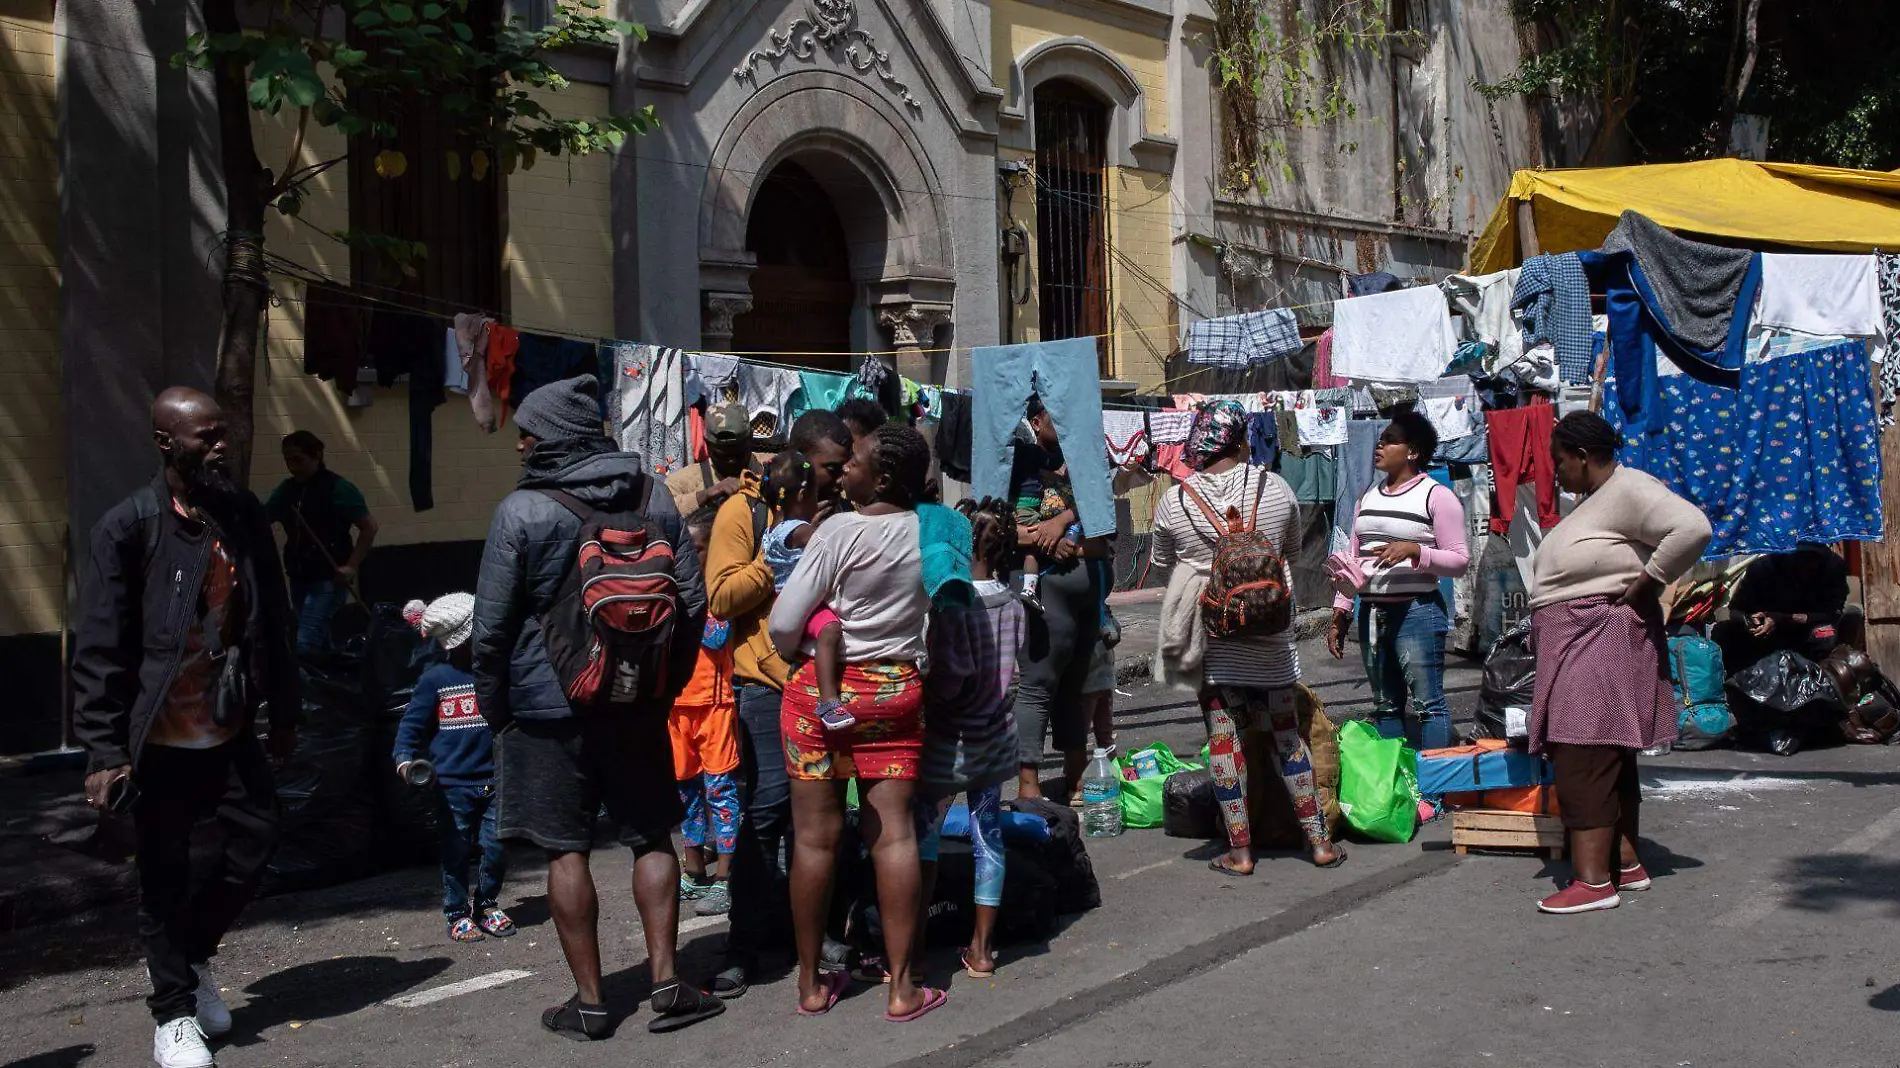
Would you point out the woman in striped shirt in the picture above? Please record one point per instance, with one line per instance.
(1407, 533)
(1246, 683)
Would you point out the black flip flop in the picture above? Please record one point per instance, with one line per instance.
(1216, 865)
(730, 985)
(575, 1019)
(686, 1007)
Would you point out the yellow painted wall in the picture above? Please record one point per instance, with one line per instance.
(559, 265)
(1142, 312)
(32, 438)
(1015, 26)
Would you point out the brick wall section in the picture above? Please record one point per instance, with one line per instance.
(558, 257)
(32, 440)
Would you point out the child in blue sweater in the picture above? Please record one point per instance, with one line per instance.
(443, 715)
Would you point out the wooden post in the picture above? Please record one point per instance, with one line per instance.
(1527, 245)
(1880, 563)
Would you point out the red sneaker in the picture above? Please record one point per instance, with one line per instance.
(1580, 896)
(1634, 877)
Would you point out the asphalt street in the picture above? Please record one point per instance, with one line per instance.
(1769, 939)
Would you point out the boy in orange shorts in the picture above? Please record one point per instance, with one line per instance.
(704, 724)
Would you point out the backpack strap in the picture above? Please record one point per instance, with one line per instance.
(1207, 510)
(1259, 494)
(568, 501)
(145, 508)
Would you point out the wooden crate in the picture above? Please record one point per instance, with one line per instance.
(1485, 828)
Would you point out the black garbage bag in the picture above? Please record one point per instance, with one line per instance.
(1785, 701)
(1510, 680)
(1189, 808)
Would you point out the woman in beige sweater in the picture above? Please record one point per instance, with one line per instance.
(1597, 629)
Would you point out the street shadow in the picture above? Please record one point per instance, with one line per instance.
(68, 1057)
(325, 989)
(530, 911)
(1662, 862)
(1887, 1000)
(1826, 882)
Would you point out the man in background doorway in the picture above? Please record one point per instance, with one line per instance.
(328, 531)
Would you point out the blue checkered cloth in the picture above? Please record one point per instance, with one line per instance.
(1241, 341)
(1553, 300)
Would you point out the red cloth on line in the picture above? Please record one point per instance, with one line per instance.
(503, 343)
(1520, 452)
(696, 434)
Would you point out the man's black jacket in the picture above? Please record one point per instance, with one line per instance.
(139, 594)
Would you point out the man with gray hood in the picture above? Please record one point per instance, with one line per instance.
(559, 766)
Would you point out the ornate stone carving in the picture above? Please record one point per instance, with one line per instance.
(721, 310)
(912, 325)
(831, 24)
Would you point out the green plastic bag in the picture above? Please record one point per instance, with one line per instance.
(1378, 783)
(1141, 798)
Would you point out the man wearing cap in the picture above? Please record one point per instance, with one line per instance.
(728, 465)
(557, 768)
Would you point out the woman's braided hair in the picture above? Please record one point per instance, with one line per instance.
(785, 478)
(903, 458)
(1002, 551)
(1587, 433)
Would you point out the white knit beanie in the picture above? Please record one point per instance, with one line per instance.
(449, 619)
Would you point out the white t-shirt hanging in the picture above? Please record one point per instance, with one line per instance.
(1450, 416)
(1320, 424)
(1401, 336)
(1816, 294)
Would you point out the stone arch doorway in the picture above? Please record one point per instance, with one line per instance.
(802, 292)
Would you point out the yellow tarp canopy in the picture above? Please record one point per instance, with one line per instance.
(1831, 208)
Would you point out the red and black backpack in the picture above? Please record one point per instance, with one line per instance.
(609, 631)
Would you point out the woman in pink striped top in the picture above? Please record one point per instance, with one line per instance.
(1407, 533)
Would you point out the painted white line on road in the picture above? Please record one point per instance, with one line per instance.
(453, 990)
(1703, 789)
(1157, 865)
(1768, 897)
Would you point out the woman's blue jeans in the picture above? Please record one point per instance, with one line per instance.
(1404, 648)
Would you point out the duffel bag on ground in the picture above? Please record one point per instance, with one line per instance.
(1189, 808)
(1483, 765)
(1065, 856)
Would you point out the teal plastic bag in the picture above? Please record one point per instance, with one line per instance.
(1142, 798)
(1378, 783)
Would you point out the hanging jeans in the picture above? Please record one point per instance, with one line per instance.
(1232, 709)
(1403, 643)
(1066, 375)
(465, 825)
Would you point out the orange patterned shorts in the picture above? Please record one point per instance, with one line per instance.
(886, 698)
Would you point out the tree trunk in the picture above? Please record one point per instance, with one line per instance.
(247, 188)
(1741, 69)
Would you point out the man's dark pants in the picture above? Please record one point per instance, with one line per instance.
(759, 901)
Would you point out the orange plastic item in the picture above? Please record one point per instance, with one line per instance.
(1539, 800)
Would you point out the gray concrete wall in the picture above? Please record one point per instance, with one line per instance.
(141, 205)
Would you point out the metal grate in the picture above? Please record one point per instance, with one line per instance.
(1072, 216)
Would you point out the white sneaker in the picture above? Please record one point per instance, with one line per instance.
(180, 1044)
(214, 1016)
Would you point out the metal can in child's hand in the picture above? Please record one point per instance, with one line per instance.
(419, 773)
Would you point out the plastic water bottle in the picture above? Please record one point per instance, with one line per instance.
(1101, 797)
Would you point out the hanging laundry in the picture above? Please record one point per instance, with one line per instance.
(1286, 431)
(1364, 285)
(504, 342)
(1065, 374)
(1323, 377)
(1169, 427)
(1450, 416)
(544, 359)
(1314, 476)
(1485, 302)
(912, 390)
(1127, 434)
(1171, 460)
(334, 325)
(1401, 336)
(954, 436)
(817, 391)
(1639, 305)
(876, 380)
(696, 435)
(399, 342)
(1520, 453)
(1320, 424)
(1250, 402)
(454, 373)
(646, 409)
(711, 378)
(1888, 270)
(1791, 456)
(1820, 295)
(1263, 439)
(426, 393)
(765, 391)
(1473, 448)
(1386, 397)
(1238, 342)
(933, 402)
(1356, 475)
(471, 343)
(1553, 297)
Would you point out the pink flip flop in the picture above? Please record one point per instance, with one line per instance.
(835, 983)
(933, 999)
